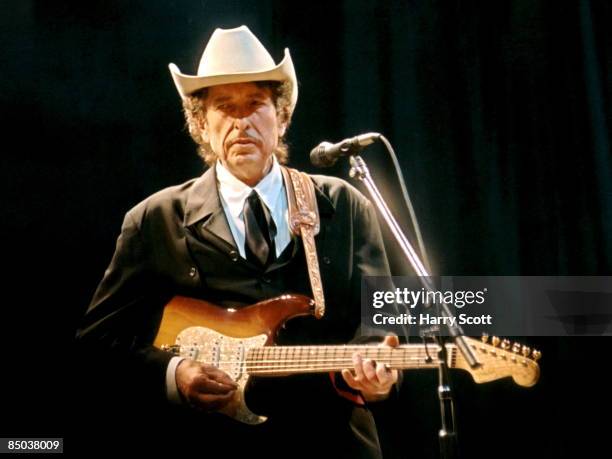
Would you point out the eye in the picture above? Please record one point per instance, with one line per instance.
(226, 107)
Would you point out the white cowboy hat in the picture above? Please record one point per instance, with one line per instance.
(235, 56)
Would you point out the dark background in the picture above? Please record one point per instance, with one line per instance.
(499, 112)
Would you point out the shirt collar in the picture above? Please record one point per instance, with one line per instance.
(234, 192)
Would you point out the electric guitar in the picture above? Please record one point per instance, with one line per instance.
(241, 343)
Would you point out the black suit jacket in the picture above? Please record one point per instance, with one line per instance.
(178, 241)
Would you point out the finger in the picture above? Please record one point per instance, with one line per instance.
(385, 375)
(358, 366)
(211, 402)
(220, 376)
(350, 379)
(364, 370)
(369, 369)
(217, 374)
(391, 341)
(382, 374)
(206, 385)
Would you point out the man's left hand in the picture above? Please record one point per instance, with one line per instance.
(373, 379)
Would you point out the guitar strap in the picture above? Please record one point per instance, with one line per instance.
(304, 222)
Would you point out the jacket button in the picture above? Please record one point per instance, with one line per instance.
(192, 271)
(326, 260)
(234, 255)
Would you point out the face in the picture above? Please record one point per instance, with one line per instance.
(242, 128)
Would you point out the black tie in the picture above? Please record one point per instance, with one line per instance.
(259, 231)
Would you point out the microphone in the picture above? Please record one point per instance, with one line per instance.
(326, 154)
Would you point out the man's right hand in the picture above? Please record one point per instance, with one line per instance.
(203, 386)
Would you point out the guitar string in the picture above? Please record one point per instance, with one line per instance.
(311, 349)
(323, 368)
(326, 362)
(280, 354)
(305, 353)
(302, 359)
(348, 366)
(346, 363)
(258, 364)
(289, 359)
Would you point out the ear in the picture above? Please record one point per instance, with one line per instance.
(204, 130)
(282, 128)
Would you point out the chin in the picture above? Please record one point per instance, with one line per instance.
(246, 154)
(246, 161)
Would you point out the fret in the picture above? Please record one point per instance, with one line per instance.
(280, 359)
(311, 357)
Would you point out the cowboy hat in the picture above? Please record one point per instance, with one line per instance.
(235, 56)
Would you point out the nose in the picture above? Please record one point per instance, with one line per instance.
(242, 123)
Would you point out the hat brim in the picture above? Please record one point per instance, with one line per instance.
(188, 84)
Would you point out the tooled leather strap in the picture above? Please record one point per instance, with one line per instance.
(304, 221)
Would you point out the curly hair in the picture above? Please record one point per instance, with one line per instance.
(194, 109)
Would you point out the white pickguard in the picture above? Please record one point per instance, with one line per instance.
(228, 354)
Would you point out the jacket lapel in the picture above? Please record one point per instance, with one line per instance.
(205, 215)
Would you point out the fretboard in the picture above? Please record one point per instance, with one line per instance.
(273, 360)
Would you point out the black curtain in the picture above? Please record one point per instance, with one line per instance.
(499, 112)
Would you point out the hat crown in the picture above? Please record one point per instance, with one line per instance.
(234, 51)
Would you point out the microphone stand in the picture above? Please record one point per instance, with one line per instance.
(447, 434)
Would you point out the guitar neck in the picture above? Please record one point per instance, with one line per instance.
(283, 360)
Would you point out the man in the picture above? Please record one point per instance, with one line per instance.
(225, 237)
